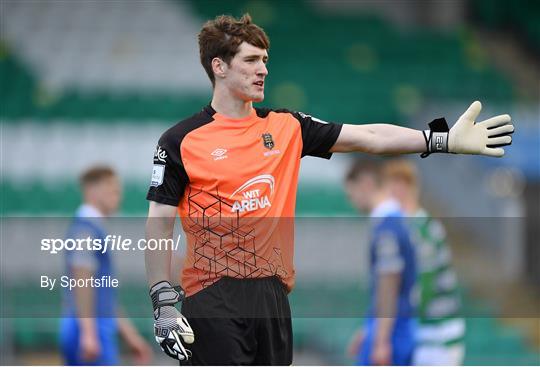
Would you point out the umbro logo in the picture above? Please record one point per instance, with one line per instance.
(219, 153)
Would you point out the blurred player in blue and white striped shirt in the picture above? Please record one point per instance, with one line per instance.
(388, 336)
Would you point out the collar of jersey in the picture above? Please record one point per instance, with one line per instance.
(89, 211)
(219, 117)
(385, 208)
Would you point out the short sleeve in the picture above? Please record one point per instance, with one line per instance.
(388, 258)
(318, 136)
(169, 178)
(83, 257)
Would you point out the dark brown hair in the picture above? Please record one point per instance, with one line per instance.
(222, 36)
(95, 175)
(364, 166)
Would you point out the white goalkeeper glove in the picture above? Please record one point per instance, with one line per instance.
(470, 137)
(169, 324)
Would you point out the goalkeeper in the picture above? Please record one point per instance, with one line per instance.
(440, 337)
(234, 160)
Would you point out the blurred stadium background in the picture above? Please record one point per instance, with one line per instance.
(85, 82)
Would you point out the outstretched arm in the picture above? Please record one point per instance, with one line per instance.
(379, 139)
(465, 137)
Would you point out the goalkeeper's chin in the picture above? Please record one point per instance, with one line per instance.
(257, 97)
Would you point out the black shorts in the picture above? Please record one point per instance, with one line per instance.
(240, 322)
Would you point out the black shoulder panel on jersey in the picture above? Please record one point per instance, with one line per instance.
(318, 136)
(169, 177)
(263, 111)
(184, 127)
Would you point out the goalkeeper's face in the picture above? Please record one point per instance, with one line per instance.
(245, 74)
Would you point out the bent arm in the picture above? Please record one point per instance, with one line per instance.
(159, 225)
(126, 329)
(379, 139)
(387, 298)
(90, 346)
(84, 301)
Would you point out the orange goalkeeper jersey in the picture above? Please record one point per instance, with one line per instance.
(234, 182)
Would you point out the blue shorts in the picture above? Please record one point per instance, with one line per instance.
(403, 343)
(70, 342)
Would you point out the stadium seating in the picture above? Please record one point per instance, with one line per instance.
(358, 61)
(362, 70)
(522, 16)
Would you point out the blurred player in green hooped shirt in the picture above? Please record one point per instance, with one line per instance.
(441, 329)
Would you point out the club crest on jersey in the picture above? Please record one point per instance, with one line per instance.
(268, 141)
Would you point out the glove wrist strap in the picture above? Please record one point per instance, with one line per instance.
(436, 137)
(163, 294)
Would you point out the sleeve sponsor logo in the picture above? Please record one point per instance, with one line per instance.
(158, 172)
(160, 154)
